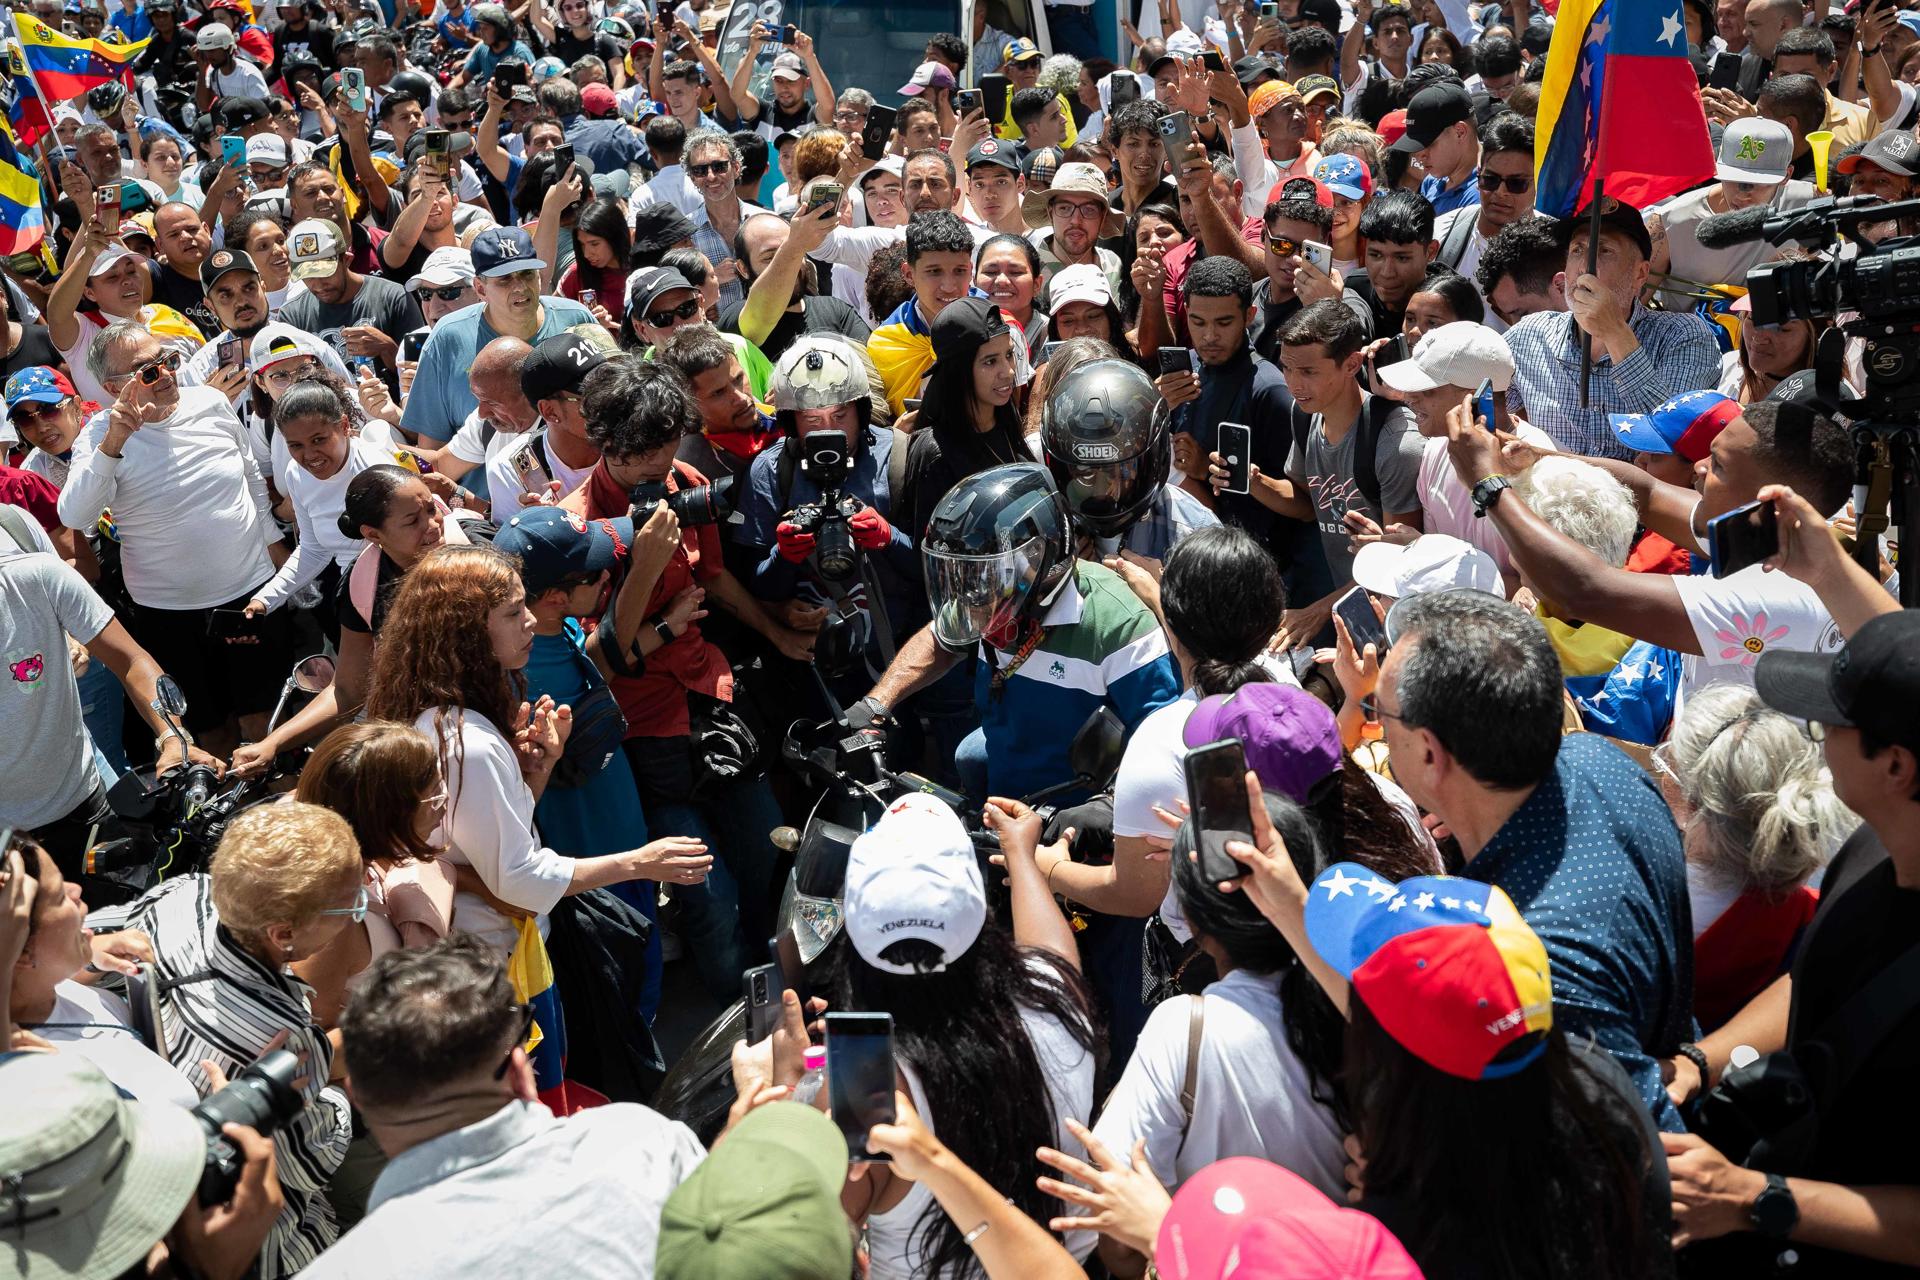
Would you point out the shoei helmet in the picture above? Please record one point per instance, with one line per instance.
(1104, 434)
(997, 550)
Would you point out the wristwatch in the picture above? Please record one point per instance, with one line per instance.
(660, 628)
(1488, 492)
(1774, 1211)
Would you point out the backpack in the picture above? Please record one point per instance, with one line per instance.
(1459, 236)
(1366, 445)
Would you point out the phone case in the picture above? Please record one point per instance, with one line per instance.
(1236, 446)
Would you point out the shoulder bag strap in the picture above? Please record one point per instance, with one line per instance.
(897, 469)
(14, 522)
(1189, 1084)
(1869, 1016)
(1459, 236)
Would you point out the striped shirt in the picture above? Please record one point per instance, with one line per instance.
(221, 1003)
(1677, 353)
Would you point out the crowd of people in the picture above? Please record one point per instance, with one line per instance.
(629, 434)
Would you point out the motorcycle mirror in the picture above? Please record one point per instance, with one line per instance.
(1097, 747)
(785, 839)
(314, 674)
(835, 649)
(168, 697)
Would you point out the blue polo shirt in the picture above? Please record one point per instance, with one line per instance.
(1434, 192)
(1101, 647)
(1593, 861)
(441, 399)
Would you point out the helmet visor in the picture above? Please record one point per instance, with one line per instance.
(1103, 497)
(976, 598)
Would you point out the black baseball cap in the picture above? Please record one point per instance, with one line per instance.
(237, 113)
(658, 226)
(1432, 112)
(1614, 216)
(993, 151)
(1872, 684)
(1324, 12)
(222, 261)
(1251, 69)
(560, 363)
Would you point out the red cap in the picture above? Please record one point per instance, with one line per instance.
(1392, 125)
(597, 101)
(1246, 1217)
(1301, 185)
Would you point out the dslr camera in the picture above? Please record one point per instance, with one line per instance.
(700, 504)
(263, 1098)
(826, 460)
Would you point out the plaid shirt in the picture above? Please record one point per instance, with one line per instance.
(719, 249)
(1677, 353)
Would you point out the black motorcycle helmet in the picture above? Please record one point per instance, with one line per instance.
(415, 84)
(997, 550)
(1104, 434)
(107, 99)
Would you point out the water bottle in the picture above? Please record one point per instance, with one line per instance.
(815, 1079)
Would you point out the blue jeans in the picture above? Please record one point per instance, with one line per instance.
(970, 762)
(103, 706)
(731, 916)
(1073, 31)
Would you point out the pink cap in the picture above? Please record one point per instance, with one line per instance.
(1244, 1217)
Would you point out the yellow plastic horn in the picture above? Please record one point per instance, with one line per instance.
(1821, 140)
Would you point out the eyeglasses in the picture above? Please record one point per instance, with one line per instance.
(357, 912)
(149, 371)
(848, 113)
(1370, 708)
(710, 168)
(1516, 183)
(519, 1039)
(452, 293)
(1081, 211)
(1283, 246)
(288, 372)
(666, 319)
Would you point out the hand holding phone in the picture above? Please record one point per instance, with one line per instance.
(1176, 135)
(1743, 537)
(1217, 794)
(860, 1077)
(1363, 625)
(106, 204)
(760, 988)
(1236, 451)
(1483, 402)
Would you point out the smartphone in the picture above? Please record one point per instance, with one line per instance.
(1176, 135)
(1725, 73)
(231, 624)
(1047, 350)
(826, 195)
(508, 73)
(1395, 352)
(106, 203)
(760, 988)
(438, 153)
(353, 83)
(878, 132)
(133, 198)
(785, 950)
(1743, 538)
(1236, 450)
(1270, 11)
(233, 353)
(1212, 60)
(1122, 87)
(412, 345)
(1217, 794)
(1356, 610)
(860, 1077)
(786, 33)
(1175, 360)
(562, 160)
(588, 297)
(910, 405)
(968, 101)
(996, 89)
(1483, 401)
(233, 150)
(1320, 255)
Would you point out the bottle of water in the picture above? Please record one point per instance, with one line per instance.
(815, 1079)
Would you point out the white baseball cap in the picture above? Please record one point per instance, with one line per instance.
(444, 268)
(1462, 354)
(268, 149)
(914, 875)
(1081, 282)
(1431, 562)
(1754, 149)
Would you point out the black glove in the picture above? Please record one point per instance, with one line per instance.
(1092, 825)
(869, 721)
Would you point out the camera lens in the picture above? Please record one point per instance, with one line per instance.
(835, 549)
(263, 1098)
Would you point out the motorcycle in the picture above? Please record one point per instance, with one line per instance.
(177, 818)
(856, 789)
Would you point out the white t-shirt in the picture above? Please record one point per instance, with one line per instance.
(525, 466)
(1446, 505)
(1736, 619)
(317, 505)
(96, 1025)
(1252, 1095)
(244, 81)
(189, 501)
(1068, 1067)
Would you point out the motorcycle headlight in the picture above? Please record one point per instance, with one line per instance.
(815, 923)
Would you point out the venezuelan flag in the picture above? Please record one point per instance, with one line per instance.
(24, 108)
(23, 222)
(67, 67)
(1619, 103)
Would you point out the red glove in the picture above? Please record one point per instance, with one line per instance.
(796, 544)
(871, 532)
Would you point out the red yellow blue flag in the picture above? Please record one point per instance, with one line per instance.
(1619, 103)
(67, 67)
(23, 220)
(25, 110)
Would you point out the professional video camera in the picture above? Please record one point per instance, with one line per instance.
(263, 1098)
(1877, 288)
(825, 460)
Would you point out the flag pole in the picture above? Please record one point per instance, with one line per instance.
(1593, 267)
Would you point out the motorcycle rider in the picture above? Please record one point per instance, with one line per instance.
(820, 387)
(1104, 435)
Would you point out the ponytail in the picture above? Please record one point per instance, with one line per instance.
(369, 495)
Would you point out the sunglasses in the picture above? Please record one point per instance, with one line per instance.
(1283, 246)
(32, 411)
(710, 168)
(1517, 183)
(685, 311)
(451, 293)
(150, 371)
(357, 912)
(519, 1039)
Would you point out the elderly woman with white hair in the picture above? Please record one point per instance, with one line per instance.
(1758, 817)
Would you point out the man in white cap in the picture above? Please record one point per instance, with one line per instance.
(223, 73)
(1755, 157)
(267, 161)
(1448, 363)
(795, 71)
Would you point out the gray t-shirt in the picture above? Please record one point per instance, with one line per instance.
(1327, 474)
(381, 303)
(44, 753)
